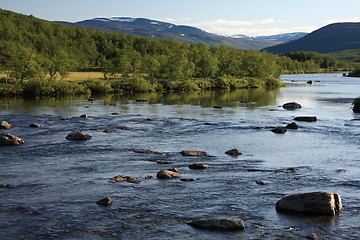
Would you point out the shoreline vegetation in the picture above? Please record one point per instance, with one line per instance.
(37, 57)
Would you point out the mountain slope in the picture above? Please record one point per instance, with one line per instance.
(156, 29)
(331, 38)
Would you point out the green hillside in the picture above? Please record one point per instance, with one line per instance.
(331, 38)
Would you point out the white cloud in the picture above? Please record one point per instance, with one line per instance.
(342, 20)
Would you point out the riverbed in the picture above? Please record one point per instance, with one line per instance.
(55, 183)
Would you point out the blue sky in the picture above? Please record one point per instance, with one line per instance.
(249, 17)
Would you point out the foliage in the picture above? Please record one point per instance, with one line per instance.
(35, 53)
(355, 73)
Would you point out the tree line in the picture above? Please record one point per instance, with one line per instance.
(32, 48)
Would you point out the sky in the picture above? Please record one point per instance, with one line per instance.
(227, 17)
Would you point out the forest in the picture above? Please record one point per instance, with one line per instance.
(36, 54)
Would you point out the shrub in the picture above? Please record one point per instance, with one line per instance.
(99, 86)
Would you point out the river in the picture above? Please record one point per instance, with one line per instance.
(55, 183)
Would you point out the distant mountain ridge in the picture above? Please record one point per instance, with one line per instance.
(157, 29)
(331, 38)
(284, 37)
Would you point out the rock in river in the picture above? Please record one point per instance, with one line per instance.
(292, 125)
(10, 140)
(280, 130)
(233, 152)
(164, 174)
(219, 224)
(199, 166)
(320, 203)
(105, 202)
(35, 125)
(306, 119)
(6, 125)
(192, 153)
(291, 106)
(78, 136)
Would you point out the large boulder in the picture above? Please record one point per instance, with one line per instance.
(291, 106)
(193, 153)
(306, 119)
(165, 174)
(6, 125)
(219, 224)
(8, 139)
(78, 136)
(320, 203)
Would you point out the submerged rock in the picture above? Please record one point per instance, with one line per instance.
(120, 178)
(188, 179)
(108, 131)
(35, 125)
(5, 185)
(105, 201)
(164, 174)
(8, 139)
(291, 106)
(310, 82)
(6, 125)
(142, 151)
(320, 203)
(292, 125)
(78, 136)
(233, 152)
(306, 119)
(198, 166)
(279, 130)
(193, 153)
(261, 182)
(219, 224)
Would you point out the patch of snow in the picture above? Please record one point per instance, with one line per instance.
(183, 35)
(121, 19)
(102, 19)
(170, 26)
(155, 23)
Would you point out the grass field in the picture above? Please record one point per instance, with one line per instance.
(76, 76)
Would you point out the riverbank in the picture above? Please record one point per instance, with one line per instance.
(88, 83)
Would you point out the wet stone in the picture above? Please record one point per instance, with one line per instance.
(165, 174)
(133, 181)
(120, 178)
(142, 151)
(84, 116)
(173, 169)
(35, 125)
(105, 201)
(163, 162)
(125, 128)
(6, 125)
(7, 139)
(261, 182)
(148, 177)
(292, 125)
(198, 166)
(5, 185)
(233, 152)
(279, 130)
(78, 136)
(188, 179)
(306, 119)
(192, 153)
(108, 131)
(291, 106)
(219, 224)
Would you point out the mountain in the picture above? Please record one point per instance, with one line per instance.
(331, 38)
(157, 29)
(285, 37)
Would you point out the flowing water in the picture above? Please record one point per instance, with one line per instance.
(55, 183)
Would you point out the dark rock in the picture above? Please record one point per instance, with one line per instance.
(219, 224)
(356, 107)
(91, 99)
(78, 136)
(280, 130)
(120, 178)
(115, 113)
(125, 128)
(291, 106)
(105, 202)
(149, 119)
(108, 131)
(233, 152)
(193, 153)
(4, 185)
(188, 179)
(310, 82)
(8, 139)
(260, 182)
(164, 174)
(198, 166)
(35, 125)
(134, 181)
(217, 107)
(292, 169)
(320, 203)
(306, 119)
(292, 125)
(84, 116)
(344, 75)
(163, 162)
(6, 125)
(148, 177)
(142, 151)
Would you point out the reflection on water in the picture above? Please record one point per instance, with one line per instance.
(55, 183)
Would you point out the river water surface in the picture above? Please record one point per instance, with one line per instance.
(55, 183)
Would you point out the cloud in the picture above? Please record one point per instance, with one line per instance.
(342, 20)
(223, 22)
